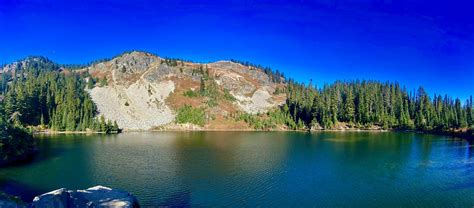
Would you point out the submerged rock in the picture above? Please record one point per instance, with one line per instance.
(97, 196)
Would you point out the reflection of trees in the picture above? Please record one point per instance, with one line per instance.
(462, 147)
(370, 153)
(470, 148)
(225, 152)
(209, 163)
(426, 147)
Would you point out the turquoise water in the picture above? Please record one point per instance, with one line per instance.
(335, 169)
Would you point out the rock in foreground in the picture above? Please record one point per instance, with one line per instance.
(97, 196)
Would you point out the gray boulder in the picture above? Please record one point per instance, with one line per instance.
(97, 196)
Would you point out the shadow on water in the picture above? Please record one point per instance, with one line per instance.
(48, 146)
(25, 192)
(47, 149)
(21, 162)
(41, 154)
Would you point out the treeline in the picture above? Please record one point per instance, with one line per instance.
(275, 75)
(40, 95)
(368, 103)
(273, 119)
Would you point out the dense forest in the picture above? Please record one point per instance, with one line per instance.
(363, 104)
(367, 103)
(39, 94)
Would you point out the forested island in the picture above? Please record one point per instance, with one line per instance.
(38, 94)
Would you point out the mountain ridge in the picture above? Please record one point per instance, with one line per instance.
(144, 91)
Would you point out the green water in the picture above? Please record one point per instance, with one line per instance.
(256, 168)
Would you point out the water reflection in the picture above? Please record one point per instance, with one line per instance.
(257, 168)
(470, 148)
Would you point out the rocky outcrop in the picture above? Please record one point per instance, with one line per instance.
(97, 196)
(251, 87)
(144, 91)
(140, 106)
(30, 62)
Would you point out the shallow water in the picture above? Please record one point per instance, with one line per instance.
(256, 168)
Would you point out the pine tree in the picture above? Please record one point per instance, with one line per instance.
(103, 124)
(109, 127)
(202, 88)
(349, 107)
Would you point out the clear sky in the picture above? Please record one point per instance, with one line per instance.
(429, 43)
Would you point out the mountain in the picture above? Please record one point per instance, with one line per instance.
(32, 62)
(141, 91)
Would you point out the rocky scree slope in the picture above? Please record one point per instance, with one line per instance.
(142, 91)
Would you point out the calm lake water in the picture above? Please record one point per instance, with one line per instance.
(364, 169)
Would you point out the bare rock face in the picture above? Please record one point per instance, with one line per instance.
(29, 62)
(144, 91)
(139, 106)
(97, 196)
(132, 98)
(251, 87)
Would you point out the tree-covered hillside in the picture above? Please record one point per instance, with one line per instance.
(39, 93)
(366, 103)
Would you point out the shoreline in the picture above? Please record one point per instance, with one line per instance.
(463, 135)
(66, 132)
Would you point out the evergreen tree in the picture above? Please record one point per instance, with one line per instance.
(202, 87)
(368, 103)
(40, 95)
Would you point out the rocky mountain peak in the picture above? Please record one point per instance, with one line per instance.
(31, 62)
(145, 91)
(134, 61)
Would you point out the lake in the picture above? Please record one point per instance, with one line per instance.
(364, 169)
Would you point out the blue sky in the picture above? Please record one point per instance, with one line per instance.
(412, 42)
